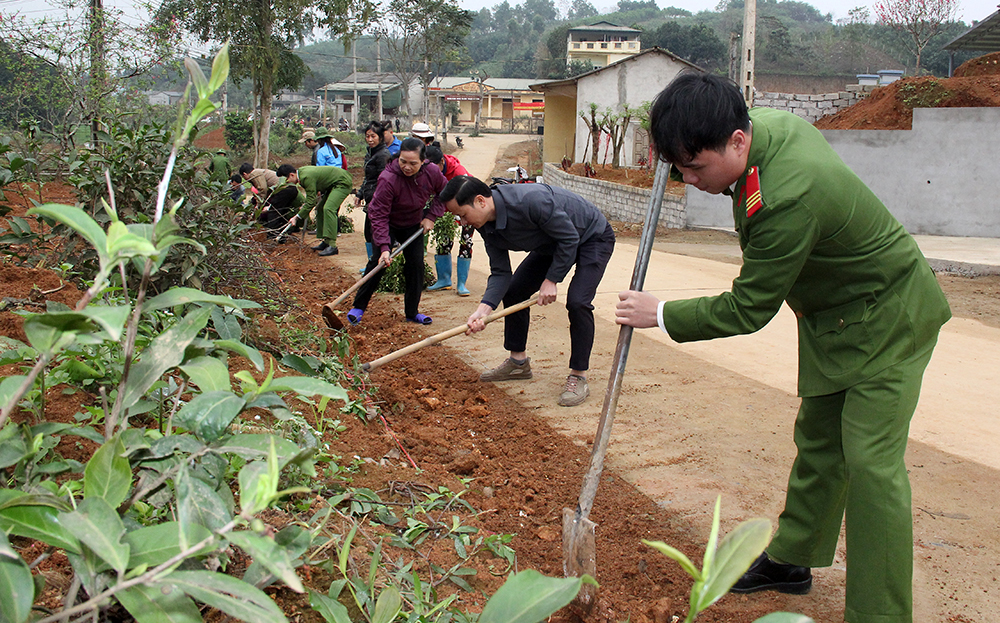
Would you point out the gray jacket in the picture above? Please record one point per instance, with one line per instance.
(536, 218)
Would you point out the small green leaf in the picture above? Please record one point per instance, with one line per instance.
(230, 595)
(220, 69)
(154, 545)
(51, 332)
(198, 504)
(97, 525)
(9, 386)
(529, 597)
(108, 474)
(159, 603)
(244, 351)
(736, 553)
(208, 415)
(17, 590)
(226, 325)
(303, 365)
(208, 373)
(268, 553)
(308, 386)
(330, 609)
(253, 446)
(784, 617)
(33, 521)
(182, 296)
(165, 352)
(197, 77)
(388, 605)
(80, 222)
(677, 555)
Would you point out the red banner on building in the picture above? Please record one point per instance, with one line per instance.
(529, 105)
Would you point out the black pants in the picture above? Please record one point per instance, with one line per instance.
(413, 271)
(592, 258)
(279, 205)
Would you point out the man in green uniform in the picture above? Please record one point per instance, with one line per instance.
(869, 310)
(333, 184)
(219, 168)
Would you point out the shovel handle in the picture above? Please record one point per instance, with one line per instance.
(593, 476)
(363, 280)
(444, 335)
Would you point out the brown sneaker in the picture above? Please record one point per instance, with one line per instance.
(508, 371)
(575, 391)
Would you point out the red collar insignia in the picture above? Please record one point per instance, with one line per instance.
(751, 192)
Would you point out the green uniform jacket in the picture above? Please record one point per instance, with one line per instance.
(219, 168)
(316, 181)
(822, 241)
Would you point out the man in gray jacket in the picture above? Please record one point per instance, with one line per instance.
(558, 229)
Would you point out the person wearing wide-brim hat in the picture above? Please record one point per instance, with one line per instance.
(330, 152)
(219, 169)
(422, 131)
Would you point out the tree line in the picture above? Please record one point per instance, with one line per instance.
(303, 44)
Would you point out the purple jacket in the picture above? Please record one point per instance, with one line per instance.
(401, 201)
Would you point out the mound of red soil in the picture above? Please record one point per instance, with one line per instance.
(213, 139)
(985, 65)
(891, 107)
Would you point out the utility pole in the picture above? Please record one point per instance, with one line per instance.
(378, 68)
(98, 73)
(749, 53)
(354, 106)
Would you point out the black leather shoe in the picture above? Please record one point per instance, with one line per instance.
(329, 251)
(766, 575)
(320, 247)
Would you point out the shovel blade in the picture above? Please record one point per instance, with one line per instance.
(331, 319)
(580, 554)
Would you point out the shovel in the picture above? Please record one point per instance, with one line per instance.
(579, 546)
(330, 309)
(444, 335)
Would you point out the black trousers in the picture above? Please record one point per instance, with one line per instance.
(592, 258)
(413, 272)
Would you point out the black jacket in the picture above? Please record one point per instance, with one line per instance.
(375, 162)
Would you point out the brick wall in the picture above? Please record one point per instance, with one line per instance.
(812, 107)
(617, 201)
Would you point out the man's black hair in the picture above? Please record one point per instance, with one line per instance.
(434, 154)
(697, 111)
(463, 189)
(246, 167)
(285, 170)
(236, 179)
(411, 143)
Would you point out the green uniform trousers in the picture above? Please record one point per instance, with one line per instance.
(851, 446)
(327, 214)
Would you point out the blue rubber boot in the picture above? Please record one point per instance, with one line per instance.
(463, 275)
(443, 265)
(368, 251)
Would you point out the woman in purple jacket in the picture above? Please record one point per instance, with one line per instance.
(405, 201)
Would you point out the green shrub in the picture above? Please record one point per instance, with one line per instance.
(239, 131)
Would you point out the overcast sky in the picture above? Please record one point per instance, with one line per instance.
(969, 10)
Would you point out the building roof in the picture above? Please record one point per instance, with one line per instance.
(983, 37)
(603, 26)
(571, 82)
(366, 81)
(493, 84)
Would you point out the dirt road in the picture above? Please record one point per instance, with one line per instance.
(698, 420)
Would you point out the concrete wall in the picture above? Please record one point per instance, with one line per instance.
(560, 128)
(631, 82)
(938, 178)
(617, 201)
(812, 107)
